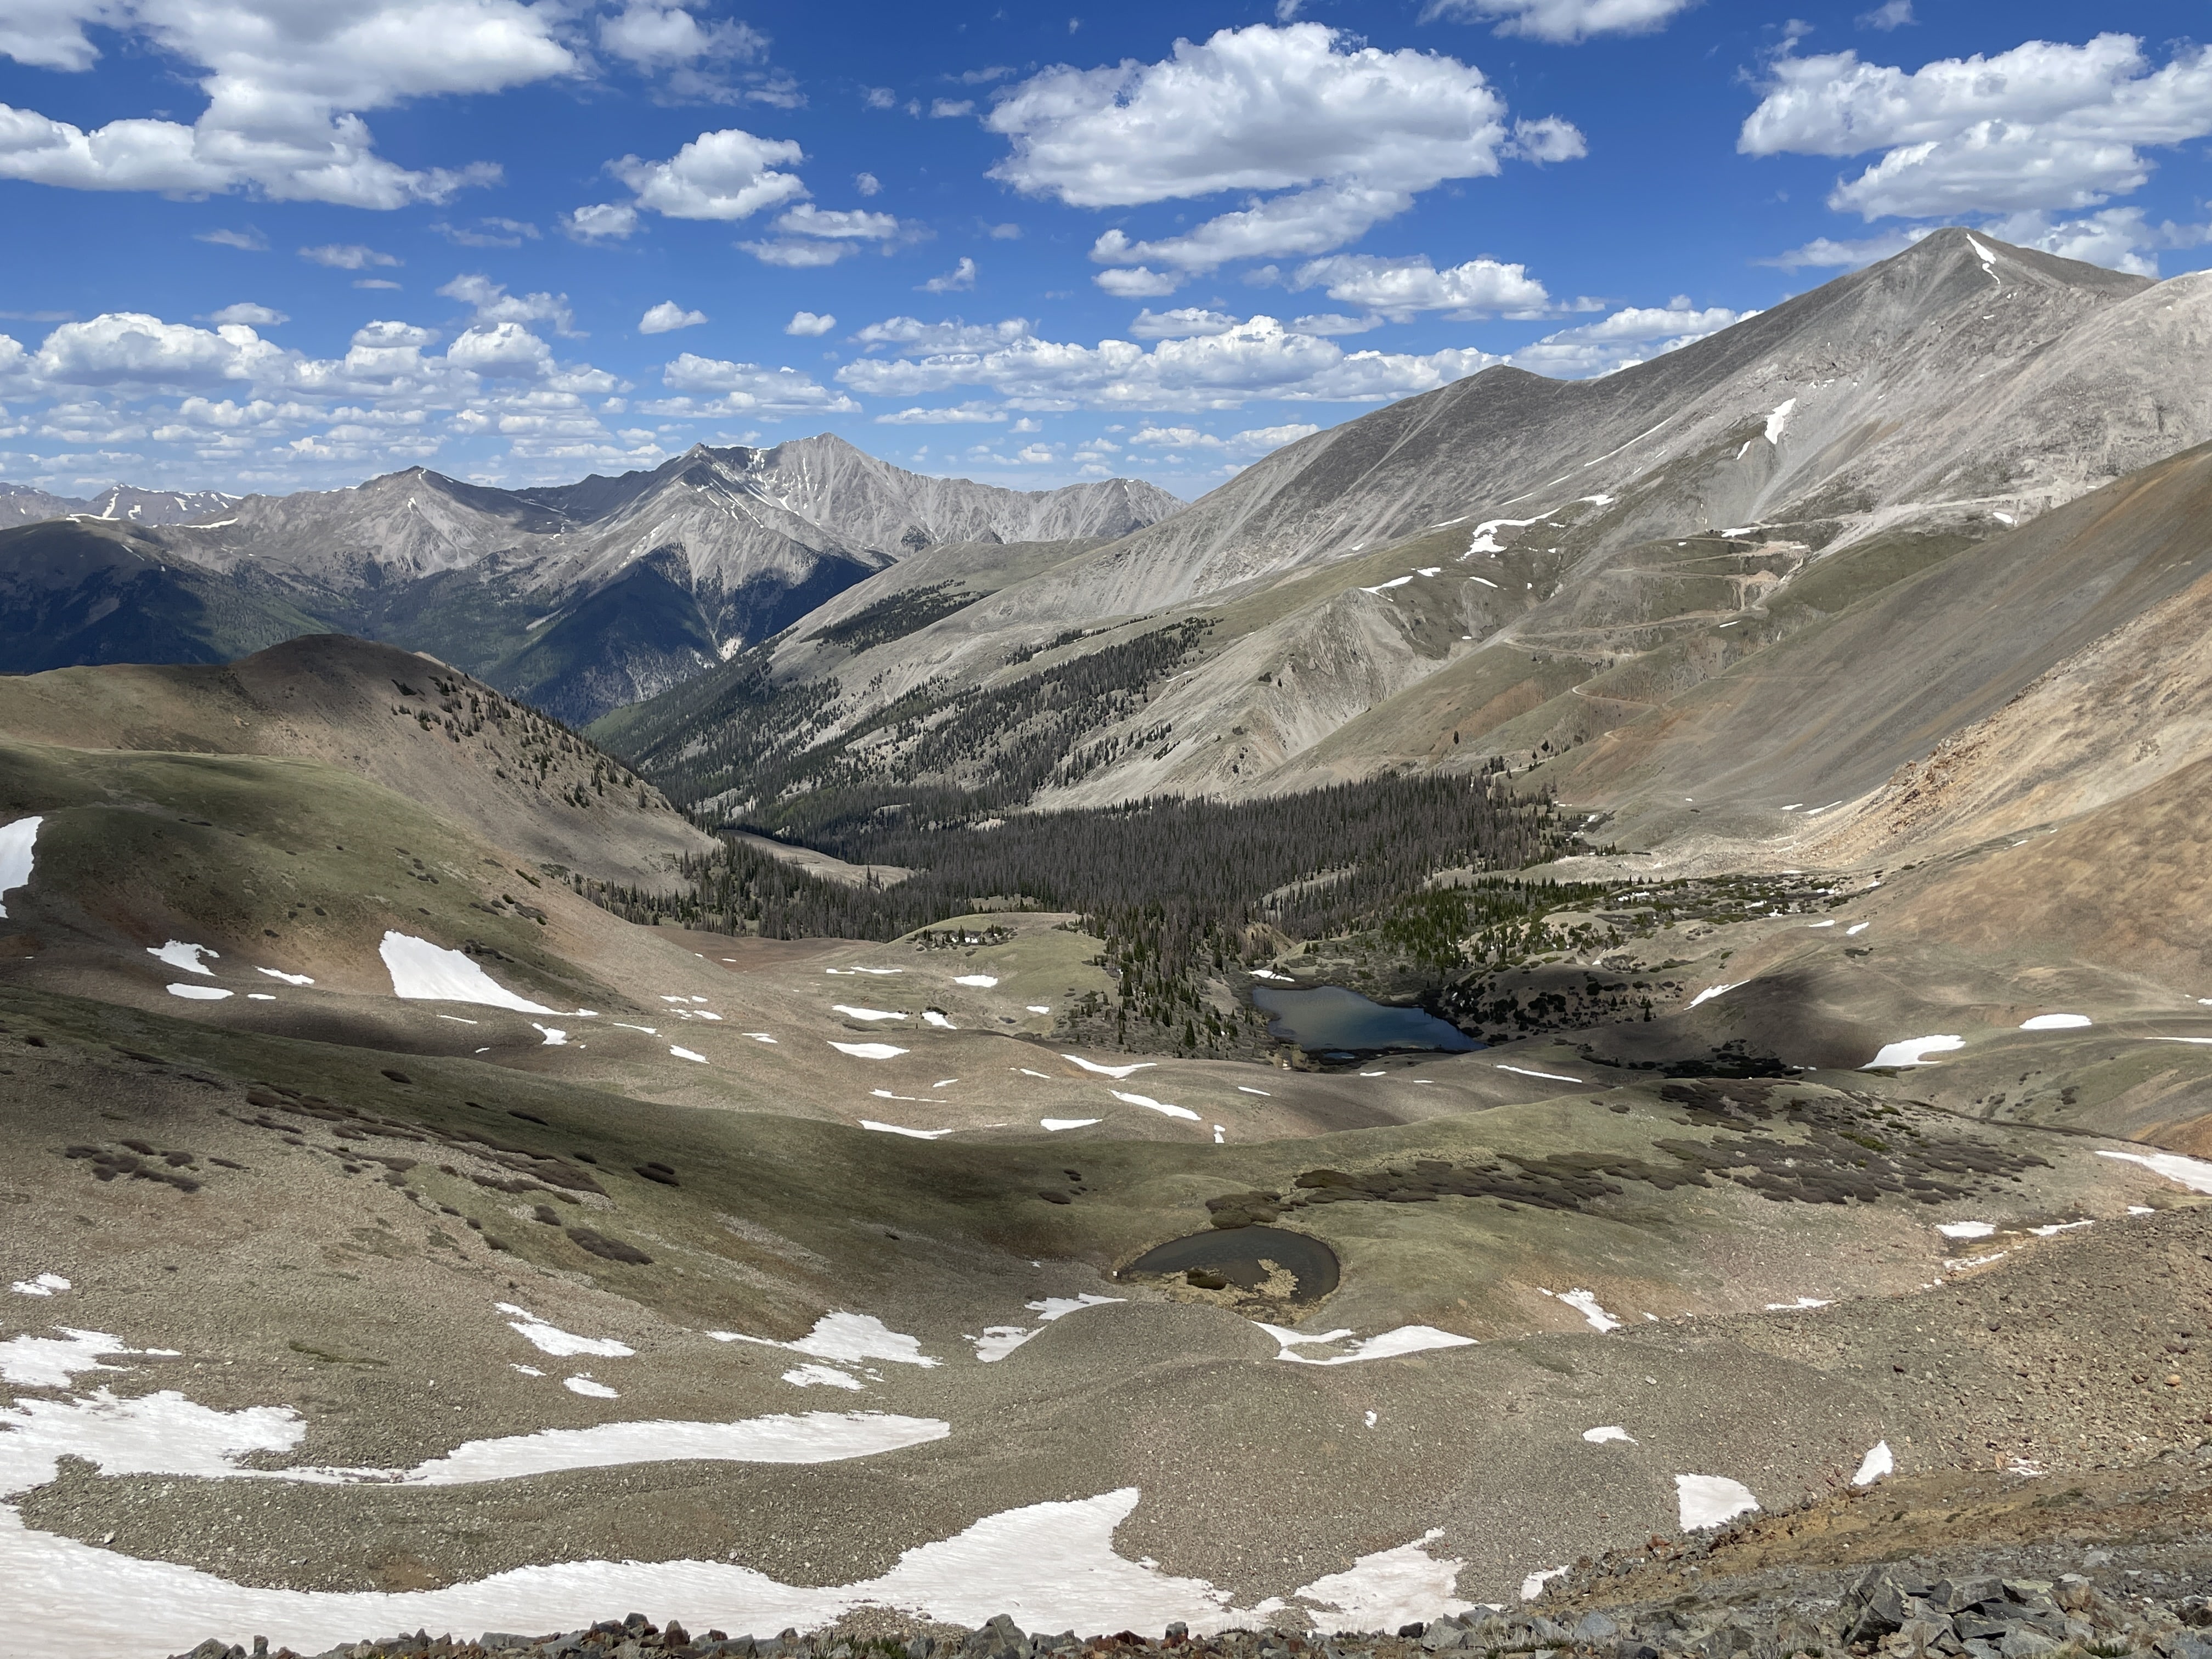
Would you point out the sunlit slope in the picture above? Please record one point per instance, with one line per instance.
(420, 1263)
(1510, 566)
(429, 732)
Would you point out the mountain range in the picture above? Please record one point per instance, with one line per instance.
(123, 503)
(581, 597)
(1500, 570)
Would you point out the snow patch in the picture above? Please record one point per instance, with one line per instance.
(584, 1385)
(1711, 1500)
(1911, 1051)
(1712, 991)
(848, 1337)
(868, 1050)
(17, 841)
(1054, 1125)
(1117, 1072)
(1050, 1565)
(289, 979)
(1524, 1072)
(980, 981)
(1611, 1432)
(49, 1361)
(1533, 1585)
(2192, 1173)
(1585, 1304)
(1000, 1340)
(1777, 422)
(44, 1284)
(865, 1014)
(185, 958)
(1166, 1107)
(812, 1375)
(1966, 1229)
(1485, 534)
(422, 971)
(1406, 1338)
(551, 1339)
(901, 1129)
(199, 993)
(1390, 1588)
(1878, 1462)
(687, 1054)
(2055, 1023)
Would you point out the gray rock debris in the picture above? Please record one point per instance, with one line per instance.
(1890, 1612)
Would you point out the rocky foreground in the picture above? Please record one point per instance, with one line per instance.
(1896, 1611)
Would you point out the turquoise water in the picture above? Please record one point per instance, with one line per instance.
(1330, 1016)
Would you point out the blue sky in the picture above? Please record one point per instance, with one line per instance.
(280, 244)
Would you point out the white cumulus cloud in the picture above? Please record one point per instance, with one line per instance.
(810, 323)
(346, 256)
(226, 397)
(1630, 335)
(254, 316)
(747, 389)
(1259, 358)
(1350, 131)
(1403, 288)
(668, 317)
(1564, 21)
(492, 303)
(910, 337)
(287, 85)
(2120, 239)
(726, 174)
(1182, 323)
(2043, 127)
(968, 414)
(1139, 283)
(506, 351)
(958, 280)
(1250, 444)
(1826, 253)
(656, 36)
(603, 222)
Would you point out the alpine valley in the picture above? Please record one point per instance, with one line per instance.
(1570, 1018)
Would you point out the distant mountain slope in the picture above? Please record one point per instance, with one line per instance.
(21, 504)
(73, 592)
(1512, 567)
(590, 595)
(1940, 384)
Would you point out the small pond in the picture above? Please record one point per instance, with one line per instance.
(1235, 1253)
(1329, 1016)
